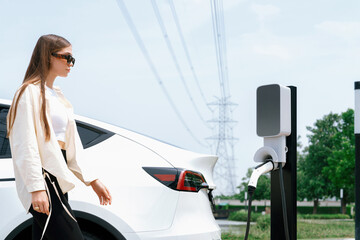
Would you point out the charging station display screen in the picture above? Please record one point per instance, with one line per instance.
(268, 110)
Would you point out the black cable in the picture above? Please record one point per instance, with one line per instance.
(282, 190)
(251, 191)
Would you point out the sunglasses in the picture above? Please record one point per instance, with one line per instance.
(68, 58)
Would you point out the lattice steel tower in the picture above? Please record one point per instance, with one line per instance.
(223, 146)
(223, 140)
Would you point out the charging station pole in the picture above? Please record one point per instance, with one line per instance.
(289, 170)
(357, 160)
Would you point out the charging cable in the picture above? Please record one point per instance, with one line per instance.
(265, 167)
(283, 202)
(251, 191)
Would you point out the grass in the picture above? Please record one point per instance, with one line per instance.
(306, 229)
(241, 215)
(315, 229)
(323, 216)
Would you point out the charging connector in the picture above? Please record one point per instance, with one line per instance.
(263, 168)
(260, 170)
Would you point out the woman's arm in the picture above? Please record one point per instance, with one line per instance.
(40, 201)
(24, 147)
(102, 192)
(25, 151)
(79, 169)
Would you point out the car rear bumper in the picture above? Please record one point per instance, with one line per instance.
(164, 235)
(193, 220)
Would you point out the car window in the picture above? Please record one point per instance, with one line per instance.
(91, 135)
(4, 142)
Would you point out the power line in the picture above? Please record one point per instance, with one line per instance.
(171, 50)
(173, 11)
(217, 46)
(220, 45)
(222, 27)
(142, 47)
(224, 172)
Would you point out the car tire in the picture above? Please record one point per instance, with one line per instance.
(26, 235)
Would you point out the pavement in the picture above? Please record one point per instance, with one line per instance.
(224, 222)
(232, 226)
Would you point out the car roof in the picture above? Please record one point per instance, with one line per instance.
(121, 130)
(133, 135)
(5, 101)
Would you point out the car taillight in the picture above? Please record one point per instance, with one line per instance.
(178, 179)
(191, 181)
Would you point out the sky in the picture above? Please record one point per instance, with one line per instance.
(313, 45)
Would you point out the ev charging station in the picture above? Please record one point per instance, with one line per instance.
(276, 123)
(357, 159)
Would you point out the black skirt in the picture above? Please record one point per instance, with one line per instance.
(61, 222)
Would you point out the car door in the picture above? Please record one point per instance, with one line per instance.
(5, 154)
(11, 211)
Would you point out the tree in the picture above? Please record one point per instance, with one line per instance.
(313, 183)
(301, 153)
(340, 169)
(327, 164)
(301, 176)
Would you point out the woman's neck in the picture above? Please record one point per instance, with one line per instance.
(50, 79)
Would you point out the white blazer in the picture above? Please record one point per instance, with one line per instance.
(30, 152)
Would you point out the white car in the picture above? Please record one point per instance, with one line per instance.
(159, 191)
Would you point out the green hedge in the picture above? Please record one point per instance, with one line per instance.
(263, 222)
(322, 210)
(242, 216)
(238, 208)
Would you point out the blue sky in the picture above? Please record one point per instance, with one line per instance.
(314, 45)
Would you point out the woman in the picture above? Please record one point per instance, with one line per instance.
(45, 143)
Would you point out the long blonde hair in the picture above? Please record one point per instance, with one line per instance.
(36, 72)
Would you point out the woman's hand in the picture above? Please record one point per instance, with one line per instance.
(40, 201)
(102, 192)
